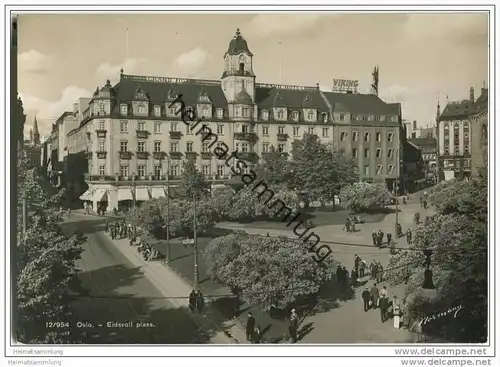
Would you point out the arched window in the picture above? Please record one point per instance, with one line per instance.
(242, 67)
(281, 114)
(295, 115)
(325, 117)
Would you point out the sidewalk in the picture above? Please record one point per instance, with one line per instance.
(178, 290)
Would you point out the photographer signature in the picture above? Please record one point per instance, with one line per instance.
(455, 310)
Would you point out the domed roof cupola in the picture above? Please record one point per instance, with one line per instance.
(238, 45)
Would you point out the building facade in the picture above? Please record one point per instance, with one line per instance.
(462, 137)
(428, 148)
(135, 141)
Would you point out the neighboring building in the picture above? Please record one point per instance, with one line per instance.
(462, 137)
(428, 149)
(135, 141)
(414, 132)
(33, 148)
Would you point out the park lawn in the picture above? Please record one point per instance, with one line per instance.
(318, 218)
(224, 306)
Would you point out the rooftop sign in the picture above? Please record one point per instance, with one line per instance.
(345, 85)
(288, 87)
(166, 80)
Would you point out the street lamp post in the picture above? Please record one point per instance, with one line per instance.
(167, 249)
(134, 203)
(396, 192)
(195, 244)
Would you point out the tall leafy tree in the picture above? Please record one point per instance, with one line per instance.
(318, 170)
(274, 168)
(457, 235)
(193, 182)
(362, 196)
(271, 272)
(46, 271)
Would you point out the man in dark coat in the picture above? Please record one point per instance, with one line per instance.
(339, 275)
(200, 301)
(380, 238)
(366, 299)
(389, 238)
(345, 276)
(357, 260)
(192, 301)
(250, 327)
(374, 238)
(384, 305)
(375, 294)
(354, 278)
(408, 236)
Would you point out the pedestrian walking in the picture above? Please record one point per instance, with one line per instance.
(250, 327)
(408, 236)
(257, 335)
(362, 268)
(375, 295)
(400, 230)
(396, 309)
(339, 275)
(425, 204)
(373, 269)
(366, 299)
(417, 218)
(380, 272)
(294, 326)
(345, 276)
(389, 238)
(200, 301)
(347, 226)
(406, 315)
(383, 292)
(384, 305)
(192, 301)
(380, 238)
(392, 249)
(357, 260)
(374, 238)
(354, 278)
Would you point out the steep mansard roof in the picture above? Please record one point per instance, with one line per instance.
(158, 91)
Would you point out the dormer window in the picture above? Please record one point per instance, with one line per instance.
(295, 116)
(265, 115)
(310, 116)
(102, 109)
(394, 119)
(382, 118)
(370, 118)
(123, 109)
(325, 117)
(220, 113)
(205, 112)
(281, 114)
(142, 109)
(157, 111)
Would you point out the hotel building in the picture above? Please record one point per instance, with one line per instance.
(463, 137)
(134, 141)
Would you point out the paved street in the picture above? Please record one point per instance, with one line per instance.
(347, 322)
(119, 292)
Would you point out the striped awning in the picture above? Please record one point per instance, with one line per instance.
(158, 192)
(87, 195)
(100, 195)
(124, 193)
(141, 194)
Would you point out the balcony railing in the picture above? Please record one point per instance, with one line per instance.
(282, 137)
(142, 155)
(159, 155)
(251, 137)
(142, 134)
(248, 156)
(191, 155)
(206, 155)
(89, 177)
(101, 154)
(101, 133)
(175, 155)
(125, 155)
(175, 134)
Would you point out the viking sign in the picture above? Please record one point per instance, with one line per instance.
(344, 85)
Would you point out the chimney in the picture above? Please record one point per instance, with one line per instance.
(472, 99)
(414, 125)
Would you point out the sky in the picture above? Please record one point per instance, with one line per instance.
(421, 57)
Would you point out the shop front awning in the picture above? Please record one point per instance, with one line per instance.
(100, 195)
(141, 194)
(158, 192)
(87, 195)
(124, 194)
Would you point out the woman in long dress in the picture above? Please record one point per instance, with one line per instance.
(395, 311)
(406, 315)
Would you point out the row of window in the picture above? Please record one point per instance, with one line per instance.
(456, 126)
(457, 150)
(456, 164)
(247, 112)
(366, 136)
(174, 170)
(378, 153)
(174, 146)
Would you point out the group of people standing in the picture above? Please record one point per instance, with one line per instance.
(374, 298)
(119, 230)
(196, 301)
(350, 224)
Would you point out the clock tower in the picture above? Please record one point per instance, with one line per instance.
(238, 79)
